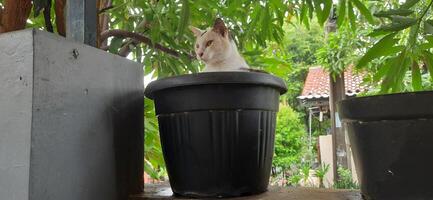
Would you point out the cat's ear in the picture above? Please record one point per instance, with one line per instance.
(220, 27)
(197, 32)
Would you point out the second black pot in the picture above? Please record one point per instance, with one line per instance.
(392, 144)
(217, 131)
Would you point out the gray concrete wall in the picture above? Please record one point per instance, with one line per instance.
(16, 60)
(87, 122)
(326, 156)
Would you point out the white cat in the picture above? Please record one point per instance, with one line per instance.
(217, 50)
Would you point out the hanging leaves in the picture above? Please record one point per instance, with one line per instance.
(416, 77)
(382, 48)
(392, 12)
(398, 23)
(352, 16)
(184, 18)
(428, 60)
(402, 49)
(341, 12)
(364, 11)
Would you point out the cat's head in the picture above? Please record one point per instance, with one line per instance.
(212, 45)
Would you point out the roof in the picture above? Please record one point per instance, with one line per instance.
(317, 84)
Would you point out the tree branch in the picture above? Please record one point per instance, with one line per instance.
(104, 9)
(143, 39)
(130, 44)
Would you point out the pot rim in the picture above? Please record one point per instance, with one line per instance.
(398, 106)
(387, 95)
(214, 78)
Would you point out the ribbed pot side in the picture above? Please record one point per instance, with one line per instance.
(217, 133)
(392, 143)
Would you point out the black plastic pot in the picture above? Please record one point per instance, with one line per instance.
(392, 144)
(217, 131)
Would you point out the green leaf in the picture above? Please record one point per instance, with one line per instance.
(409, 3)
(115, 45)
(398, 24)
(184, 18)
(429, 38)
(150, 170)
(386, 83)
(319, 12)
(382, 70)
(381, 48)
(416, 77)
(428, 26)
(304, 18)
(326, 10)
(364, 11)
(323, 9)
(428, 60)
(393, 78)
(402, 19)
(341, 12)
(376, 33)
(389, 13)
(252, 53)
(310, 8)
(426, 46)
(352, 16)
(303, 13)
(403, 67)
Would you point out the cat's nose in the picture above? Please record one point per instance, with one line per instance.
(200, 54)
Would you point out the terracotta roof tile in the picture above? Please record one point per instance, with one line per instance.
(317, 83)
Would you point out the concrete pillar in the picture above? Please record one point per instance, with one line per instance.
(71, 120)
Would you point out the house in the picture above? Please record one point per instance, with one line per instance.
(316, 87)
(315, 98)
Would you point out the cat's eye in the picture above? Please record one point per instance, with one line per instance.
(208, 43)
(197, 46)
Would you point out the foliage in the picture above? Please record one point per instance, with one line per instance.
(252, 23)
(339, 51)
(154, 164)
(321, 172)
(406, 41)
(301, 45)
(305, 172)
(256, 25)
(294, 179)
(289, 139)
(345, 180)
(347, 11)
(407, 84)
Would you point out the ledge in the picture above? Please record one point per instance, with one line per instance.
(163, 192)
